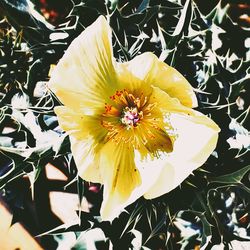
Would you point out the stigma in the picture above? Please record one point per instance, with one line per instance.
(131, 117)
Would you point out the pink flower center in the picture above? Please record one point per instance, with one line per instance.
(130, 117)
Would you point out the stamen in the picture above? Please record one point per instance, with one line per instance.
(133, 119)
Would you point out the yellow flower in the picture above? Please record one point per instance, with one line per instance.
(131, 125)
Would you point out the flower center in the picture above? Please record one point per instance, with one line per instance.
(125, 111)
(135, 119)
(130, 117)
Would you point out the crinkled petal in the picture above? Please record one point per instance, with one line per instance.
(84, 77)
(168, 104)
(70, 121)
(86, 159)
(86, 138)
(194, 143)
(152, 140)
(195, 139)
(147, 69)
(120, 177)
(149, 171)
(80, 125)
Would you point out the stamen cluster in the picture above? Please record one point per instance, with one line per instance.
(126, 112)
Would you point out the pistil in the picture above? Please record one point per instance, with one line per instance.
(131, 117)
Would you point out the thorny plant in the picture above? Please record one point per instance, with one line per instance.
(212, 206)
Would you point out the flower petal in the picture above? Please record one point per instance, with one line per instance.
(79, 125)
(194, 144)
(86, 159)
(69, 120)
(149, 169)
(147, 69)
(86, 138)
(153, 140)
(120, 177)
(168, 105)
(85, 75)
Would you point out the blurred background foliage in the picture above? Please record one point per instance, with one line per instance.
(207, 42)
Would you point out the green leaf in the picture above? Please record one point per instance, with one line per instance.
(113, 4)
(184, 20)
(143, 6)
(235, 177)
(16, 169)
(218, 14)
(80, 191)
(207, 232)
(23, 17)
